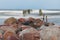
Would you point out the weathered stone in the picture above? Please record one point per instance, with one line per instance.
(50, 33)
(30, 34)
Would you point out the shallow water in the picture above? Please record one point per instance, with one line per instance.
(54, 20)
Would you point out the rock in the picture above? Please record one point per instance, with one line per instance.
(12, 38)
(50, 33)
(10, 21)
(21, 20)
(37, 23)
(30, 19)
(8, 34)
(24, 27)
(49, 24)
(30, 34)
(8, 28)
(26, 23)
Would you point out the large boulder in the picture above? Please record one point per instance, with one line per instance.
(29, 34)
(10, 21)
(50, 33)
(8, 34)
(37, 23)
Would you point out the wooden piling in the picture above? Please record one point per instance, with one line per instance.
(46, 19)
(43, 17)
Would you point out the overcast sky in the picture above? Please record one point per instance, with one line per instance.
(29, 4)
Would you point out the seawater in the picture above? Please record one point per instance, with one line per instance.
(54, 20)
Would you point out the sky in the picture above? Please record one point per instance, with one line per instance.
(29, 4)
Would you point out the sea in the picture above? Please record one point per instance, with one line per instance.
(50, 18)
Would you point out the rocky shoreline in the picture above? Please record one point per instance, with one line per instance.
(29, 29)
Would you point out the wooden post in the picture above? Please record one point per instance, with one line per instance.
(46, 19)
(43, 17)
(40, 12)
(28, 11)
(24, 12)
